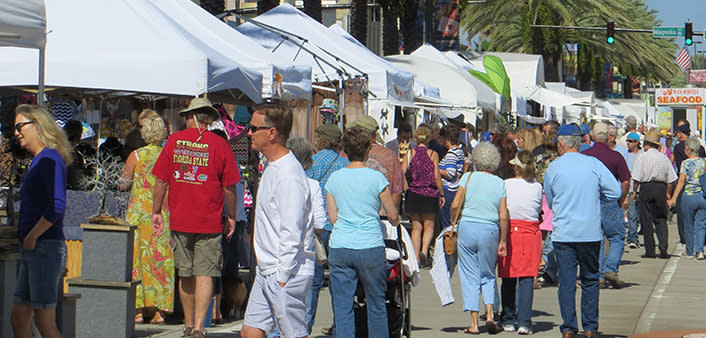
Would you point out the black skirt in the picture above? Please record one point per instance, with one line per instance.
(416, 203)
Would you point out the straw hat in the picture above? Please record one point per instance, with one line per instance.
(201, 105)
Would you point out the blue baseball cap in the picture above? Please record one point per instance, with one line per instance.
(569, 130)
(634, 136)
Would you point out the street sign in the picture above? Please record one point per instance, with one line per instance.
(667, 32)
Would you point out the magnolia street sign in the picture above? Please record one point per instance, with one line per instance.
(667, 32)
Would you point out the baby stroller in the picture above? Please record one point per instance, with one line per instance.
(397, 298)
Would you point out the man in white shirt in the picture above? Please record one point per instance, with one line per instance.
(283, 234)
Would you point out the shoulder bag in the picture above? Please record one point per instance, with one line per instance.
(451, 236)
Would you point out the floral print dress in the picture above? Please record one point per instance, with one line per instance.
(153, 260)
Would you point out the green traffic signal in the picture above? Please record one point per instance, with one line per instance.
(610, 32)
(688, 33)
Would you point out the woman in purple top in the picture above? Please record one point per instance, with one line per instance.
(423, 195)
(40, 228)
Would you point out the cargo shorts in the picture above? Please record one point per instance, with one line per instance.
(197, 254)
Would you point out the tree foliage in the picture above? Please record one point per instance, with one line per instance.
(506, 24)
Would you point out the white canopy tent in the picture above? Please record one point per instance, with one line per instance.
(453, 85)
(201, 27)
(124, 45)
(487, 98)
(23, 23)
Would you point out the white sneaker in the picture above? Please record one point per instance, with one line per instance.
(685, 256)
(700, 256)
(632, 246)
(523, 330)
(509, 328)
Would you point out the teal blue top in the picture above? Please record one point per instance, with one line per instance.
(356, 192)
(483, 196)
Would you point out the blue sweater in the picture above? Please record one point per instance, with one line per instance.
(43, 194)
(574, 185)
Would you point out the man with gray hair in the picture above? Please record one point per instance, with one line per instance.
(630, 127)
(575, 185)
(612, 220)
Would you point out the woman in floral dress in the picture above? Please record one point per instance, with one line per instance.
(153, 261)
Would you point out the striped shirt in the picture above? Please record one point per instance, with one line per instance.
(453, 164)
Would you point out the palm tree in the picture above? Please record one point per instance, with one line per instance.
(390, 33)
(359, 20)
(508, 29)
(312, 8)
(411, 37)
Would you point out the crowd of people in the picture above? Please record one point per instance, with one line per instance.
(529, 207)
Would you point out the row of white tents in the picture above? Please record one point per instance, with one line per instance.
(173, 47)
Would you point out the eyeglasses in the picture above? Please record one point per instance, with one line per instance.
(253, 129)
(18, 127)
(631, 140)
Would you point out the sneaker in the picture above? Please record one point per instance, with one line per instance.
(524, 330)
(633, 246)
(613, 278)
(328, 330)
(685, 256)
(700, 256)
(509, 327)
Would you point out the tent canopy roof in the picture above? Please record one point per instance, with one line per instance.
(23, 23)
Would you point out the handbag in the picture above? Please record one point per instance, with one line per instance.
(451, 236)
(321, 257)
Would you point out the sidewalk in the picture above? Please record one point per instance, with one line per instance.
(659, 295)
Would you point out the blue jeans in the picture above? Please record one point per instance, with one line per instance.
(445, 211)
(551, 267)
(570, 256)
(477, 255)
(633, 222)
(517, 294)
(613, 224)
(693, 210)
(39, 272)
(312, 299)
(346, 267)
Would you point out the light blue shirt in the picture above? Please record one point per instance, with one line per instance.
(626, 155)
(356, 192)
(574, 185)
(483, 196)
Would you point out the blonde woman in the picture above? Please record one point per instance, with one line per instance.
(528, 139)
(40, 228)
(425, 194)
(153, 261)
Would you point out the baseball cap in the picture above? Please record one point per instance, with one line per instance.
(329, 132)
(585, 129)
(365, 121)
(634, 136)
(568, 130)
(684, 129)
(599, 128)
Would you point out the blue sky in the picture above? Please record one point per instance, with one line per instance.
(676, 12)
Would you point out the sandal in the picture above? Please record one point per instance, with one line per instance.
(468, 331)
(157, 319)
(139, 319)
(493, 328)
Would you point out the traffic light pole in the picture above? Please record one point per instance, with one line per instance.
(584, 28)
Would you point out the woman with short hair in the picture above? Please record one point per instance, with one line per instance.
(482, 232)
(357, 250)
(153, 260)
(693, 203)
(41, 224)
(519, 267)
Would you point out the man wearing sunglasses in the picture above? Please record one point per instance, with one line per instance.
(200, 171)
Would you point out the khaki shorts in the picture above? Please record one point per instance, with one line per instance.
(197, 254)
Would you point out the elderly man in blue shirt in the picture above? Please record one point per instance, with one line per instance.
(574, 185)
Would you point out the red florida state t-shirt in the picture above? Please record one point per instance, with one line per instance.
(197, 169)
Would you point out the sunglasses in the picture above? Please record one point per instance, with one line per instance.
(18, 127)
(250, 128)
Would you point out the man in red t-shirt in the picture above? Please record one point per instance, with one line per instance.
(200, 171)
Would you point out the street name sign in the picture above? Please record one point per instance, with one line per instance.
(667, 32)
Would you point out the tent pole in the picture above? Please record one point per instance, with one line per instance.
(42, 59)
(341, 104)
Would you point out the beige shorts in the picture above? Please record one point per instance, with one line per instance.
(197, 254)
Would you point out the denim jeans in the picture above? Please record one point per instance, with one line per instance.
(445, 211)
(39, 273)
(477, 255)
(613, 225)
(312, 299)
(346, 267)
(517, 294)
(551, 267)
(570, 256)
(693, 210)
(633, 222)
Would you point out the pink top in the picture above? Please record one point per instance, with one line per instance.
(547, 216)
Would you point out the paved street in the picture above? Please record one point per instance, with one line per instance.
(659, 295)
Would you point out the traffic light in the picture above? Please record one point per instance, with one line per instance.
(688, 33)
(610, 32)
